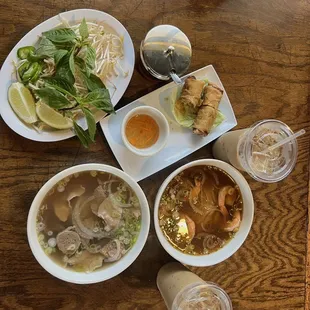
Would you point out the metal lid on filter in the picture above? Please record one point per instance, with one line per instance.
(166, 52)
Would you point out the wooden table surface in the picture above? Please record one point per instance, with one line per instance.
(261, 51)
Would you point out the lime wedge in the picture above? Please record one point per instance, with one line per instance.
(22, 102)
(52, 118)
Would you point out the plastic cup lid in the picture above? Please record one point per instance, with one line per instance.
(268, 166)
(199, 296)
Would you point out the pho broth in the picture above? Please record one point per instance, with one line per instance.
(87, 220)
(200, 210)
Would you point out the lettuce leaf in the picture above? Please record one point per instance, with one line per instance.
(220, 117)
(184, 114)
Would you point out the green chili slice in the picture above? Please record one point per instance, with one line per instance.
(31, 72)
(24, 52)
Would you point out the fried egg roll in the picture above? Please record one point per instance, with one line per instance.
(207, 112)
(191, 92)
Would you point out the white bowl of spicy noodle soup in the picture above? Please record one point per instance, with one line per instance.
(100, 198)
(193, 231)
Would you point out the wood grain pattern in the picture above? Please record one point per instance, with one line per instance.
(261, 50)
(307, 305)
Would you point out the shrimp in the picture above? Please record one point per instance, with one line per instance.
(223, 192)
(191, 227)
(195, 191)
(234, 224)
(193, 196)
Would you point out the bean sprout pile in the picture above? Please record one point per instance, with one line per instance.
(109, 50)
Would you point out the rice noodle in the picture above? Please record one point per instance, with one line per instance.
(96, 249)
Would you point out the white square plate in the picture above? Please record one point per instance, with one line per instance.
(181, 142)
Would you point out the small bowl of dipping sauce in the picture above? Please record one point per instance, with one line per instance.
(145, 131)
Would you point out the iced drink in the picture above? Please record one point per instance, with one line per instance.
(183, 290)
(225, 148)
(247, 150)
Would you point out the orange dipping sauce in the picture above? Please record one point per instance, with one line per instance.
(142, 131)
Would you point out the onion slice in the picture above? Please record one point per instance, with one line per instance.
(84, 231)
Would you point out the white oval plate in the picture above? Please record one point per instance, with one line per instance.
(7, 75)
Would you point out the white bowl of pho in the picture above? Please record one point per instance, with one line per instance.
(88, 223)
(203, 212)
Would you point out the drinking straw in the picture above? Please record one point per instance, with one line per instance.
(284, 141)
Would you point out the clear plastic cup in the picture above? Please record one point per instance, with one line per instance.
(181, 289)
(197, 296)
(246, 150)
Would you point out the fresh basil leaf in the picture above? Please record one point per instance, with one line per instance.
(80, 62)
(82, 66)
(52, 97)
(63, 71)
(60, 35)
(59, 55)
(83, 29)
(62, 85)
(81, 134)
(91, 123)
(92, 82)
(96, 82)
(65, 46)
(88, 55)
(99, 98)
(71, 61)
(46, 48)
(90, 59)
